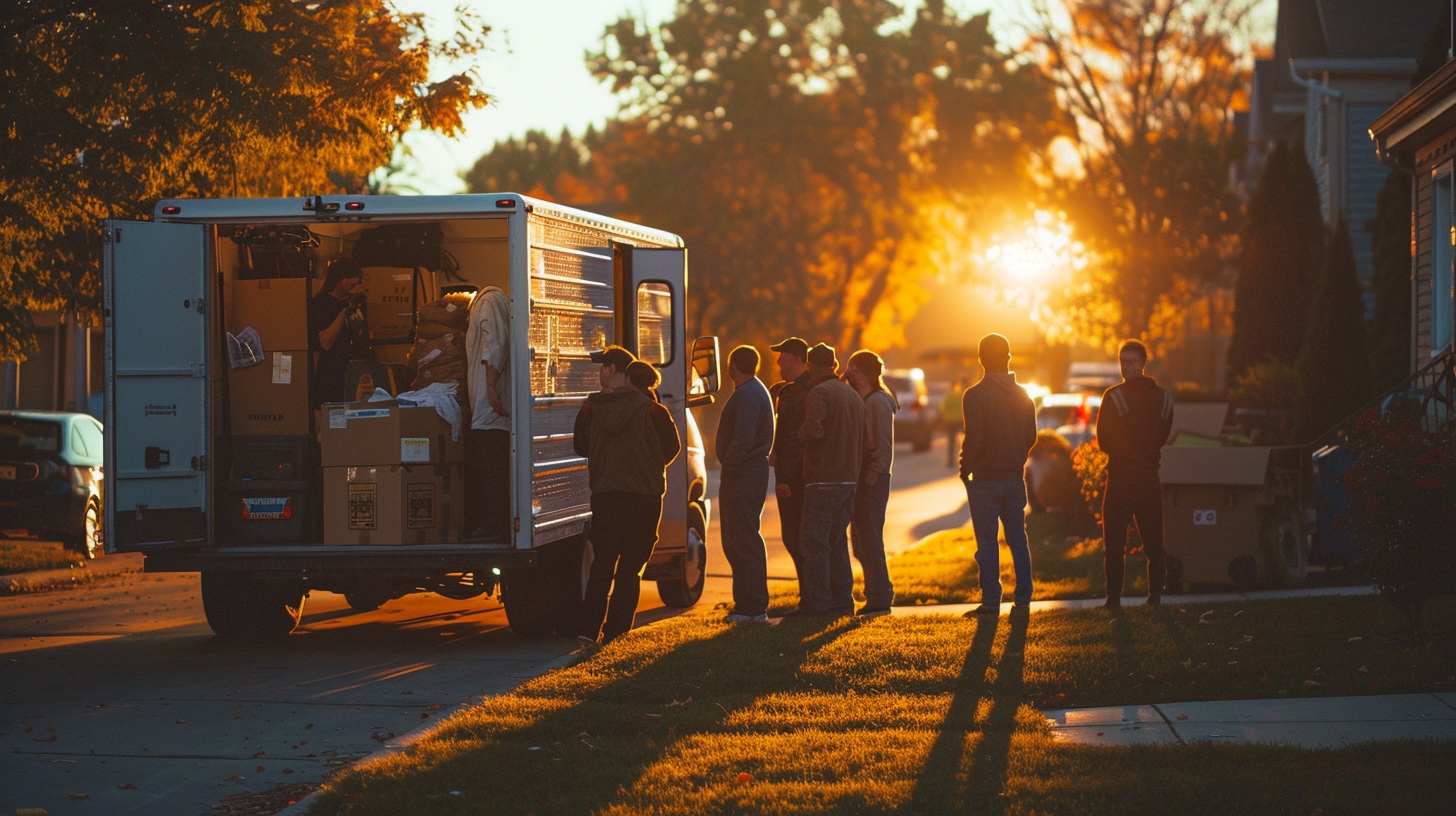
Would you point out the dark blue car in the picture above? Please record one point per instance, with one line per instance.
(50, 477)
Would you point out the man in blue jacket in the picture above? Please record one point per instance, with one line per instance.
(1000, 424)
(745, 434)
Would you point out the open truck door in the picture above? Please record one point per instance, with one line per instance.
(155, 279)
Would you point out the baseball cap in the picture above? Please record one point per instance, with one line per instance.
(822, 355)
(796, 346)
(614, 356)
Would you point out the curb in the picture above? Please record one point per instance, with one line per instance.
(54, 579)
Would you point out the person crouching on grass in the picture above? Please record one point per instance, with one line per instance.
(628, 441)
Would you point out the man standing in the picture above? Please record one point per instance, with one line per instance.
(1132, 426)
(1000, 422)
(628, 441)
(488, 440)
(745, 434)
(333, 325)
(787, 457)
(833, 436)
(867, 529)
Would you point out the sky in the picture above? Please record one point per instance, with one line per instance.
(535, 71)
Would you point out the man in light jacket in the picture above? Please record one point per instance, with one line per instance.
(872, 495)
(833, 436)
(745, 434)
(1000, 421)
(488, 440)
(628, 441)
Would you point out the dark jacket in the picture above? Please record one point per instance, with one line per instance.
(745, 428)
(833, 433)
(628, 441)
(1000, 424)
(1133, 425)
(788, 449)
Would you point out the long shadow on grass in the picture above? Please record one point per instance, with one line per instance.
(586, 739)
(946, 783)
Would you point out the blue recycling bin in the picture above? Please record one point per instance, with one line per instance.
(1333, 546)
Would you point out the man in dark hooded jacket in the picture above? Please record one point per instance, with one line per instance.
(1000, 422)
(1132, 426)
(628, 441)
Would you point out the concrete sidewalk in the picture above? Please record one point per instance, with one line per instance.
(108, 566)
(1323, 722)
(1168, 600)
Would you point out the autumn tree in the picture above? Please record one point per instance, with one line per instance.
(536, 164)
(1153, 85)
(1334, 366)
(812, 161)
(1282, 250)
(110, 106)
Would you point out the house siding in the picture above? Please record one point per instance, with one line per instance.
(1436, 155)
(1365, 177)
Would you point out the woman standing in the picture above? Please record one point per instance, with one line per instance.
(872, 494)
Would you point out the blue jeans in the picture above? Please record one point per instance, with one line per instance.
(740, 514)
(1004, 502)
(827, 580)
(867, 538)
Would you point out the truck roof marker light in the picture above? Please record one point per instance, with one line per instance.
(505, 203)
(171, 209)
(354, 205)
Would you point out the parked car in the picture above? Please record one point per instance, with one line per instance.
(50, 477)
(916, 420)
(1073, 415)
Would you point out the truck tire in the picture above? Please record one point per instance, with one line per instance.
(689, 570)
(547, 598)
(1282, 540)
(243, 607)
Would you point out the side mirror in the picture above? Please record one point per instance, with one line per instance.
(705, 374)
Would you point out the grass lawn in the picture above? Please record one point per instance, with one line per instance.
(929, 715)
(25, 556)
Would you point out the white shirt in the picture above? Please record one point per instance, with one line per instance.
(488, 340)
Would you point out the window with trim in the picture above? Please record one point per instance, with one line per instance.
(654, 322)
(1443, 300)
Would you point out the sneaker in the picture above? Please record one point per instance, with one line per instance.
(586, 642)
(989, 610)
(737, 618)
(868, 611)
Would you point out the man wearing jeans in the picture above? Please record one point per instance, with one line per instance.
(833, 436)
(745, 434)
(1000, 422)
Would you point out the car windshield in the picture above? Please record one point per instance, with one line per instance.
(29, 435)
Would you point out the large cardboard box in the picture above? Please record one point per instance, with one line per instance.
(277, 308)
(394, 504)
(385, 433)
(270, 398)
(1212, 500)
(389, 305)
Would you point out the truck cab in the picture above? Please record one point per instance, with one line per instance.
(239, 471)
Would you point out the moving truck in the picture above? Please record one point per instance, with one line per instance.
(238, 474)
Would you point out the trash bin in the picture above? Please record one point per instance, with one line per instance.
(1333, 545)
(1222, 523)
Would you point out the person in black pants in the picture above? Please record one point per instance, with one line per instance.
(628, 441)
(1132, 426)
(787, 455)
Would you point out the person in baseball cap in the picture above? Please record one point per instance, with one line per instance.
(822, 356)
(797, 346)
(787, 456)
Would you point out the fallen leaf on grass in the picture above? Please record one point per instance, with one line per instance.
(236, 778)
(744, 778)
(1182, 716)
(127, 786)
(260, 769)
(181, 721)
(1311, 683)
(79, 795)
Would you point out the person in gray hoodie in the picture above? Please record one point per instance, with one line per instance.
(745, 434)
(1000, 421)
(833, 435)
(872, 495)
(628, 441)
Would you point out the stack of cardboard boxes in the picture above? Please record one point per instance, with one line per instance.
(392, 475)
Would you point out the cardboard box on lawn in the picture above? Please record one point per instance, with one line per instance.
(385, 433)
(393, 505)
(1212, 500)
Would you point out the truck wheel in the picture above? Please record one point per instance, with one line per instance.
(366, 601)
(1281, 538)
(242, 607)
(689, 570)
(87, 541)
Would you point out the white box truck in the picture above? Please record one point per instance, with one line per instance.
(196, 482)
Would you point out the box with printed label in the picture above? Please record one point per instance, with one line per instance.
(389, 304)
(385, 433)
(268, 511)
(270, 398)
(393, 504)
(276, 308)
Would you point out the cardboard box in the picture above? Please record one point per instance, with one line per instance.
(277, 308)
(1212, 500)
(389, 307)
(385, 433)
(271, 398)
(393, 505)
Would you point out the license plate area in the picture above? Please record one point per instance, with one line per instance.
(7, 473)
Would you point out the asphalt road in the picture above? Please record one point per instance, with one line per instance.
(115, 698)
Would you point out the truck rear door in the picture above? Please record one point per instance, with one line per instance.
(155, 302)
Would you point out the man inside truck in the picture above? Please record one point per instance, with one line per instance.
(488, 440)
(333, 325)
